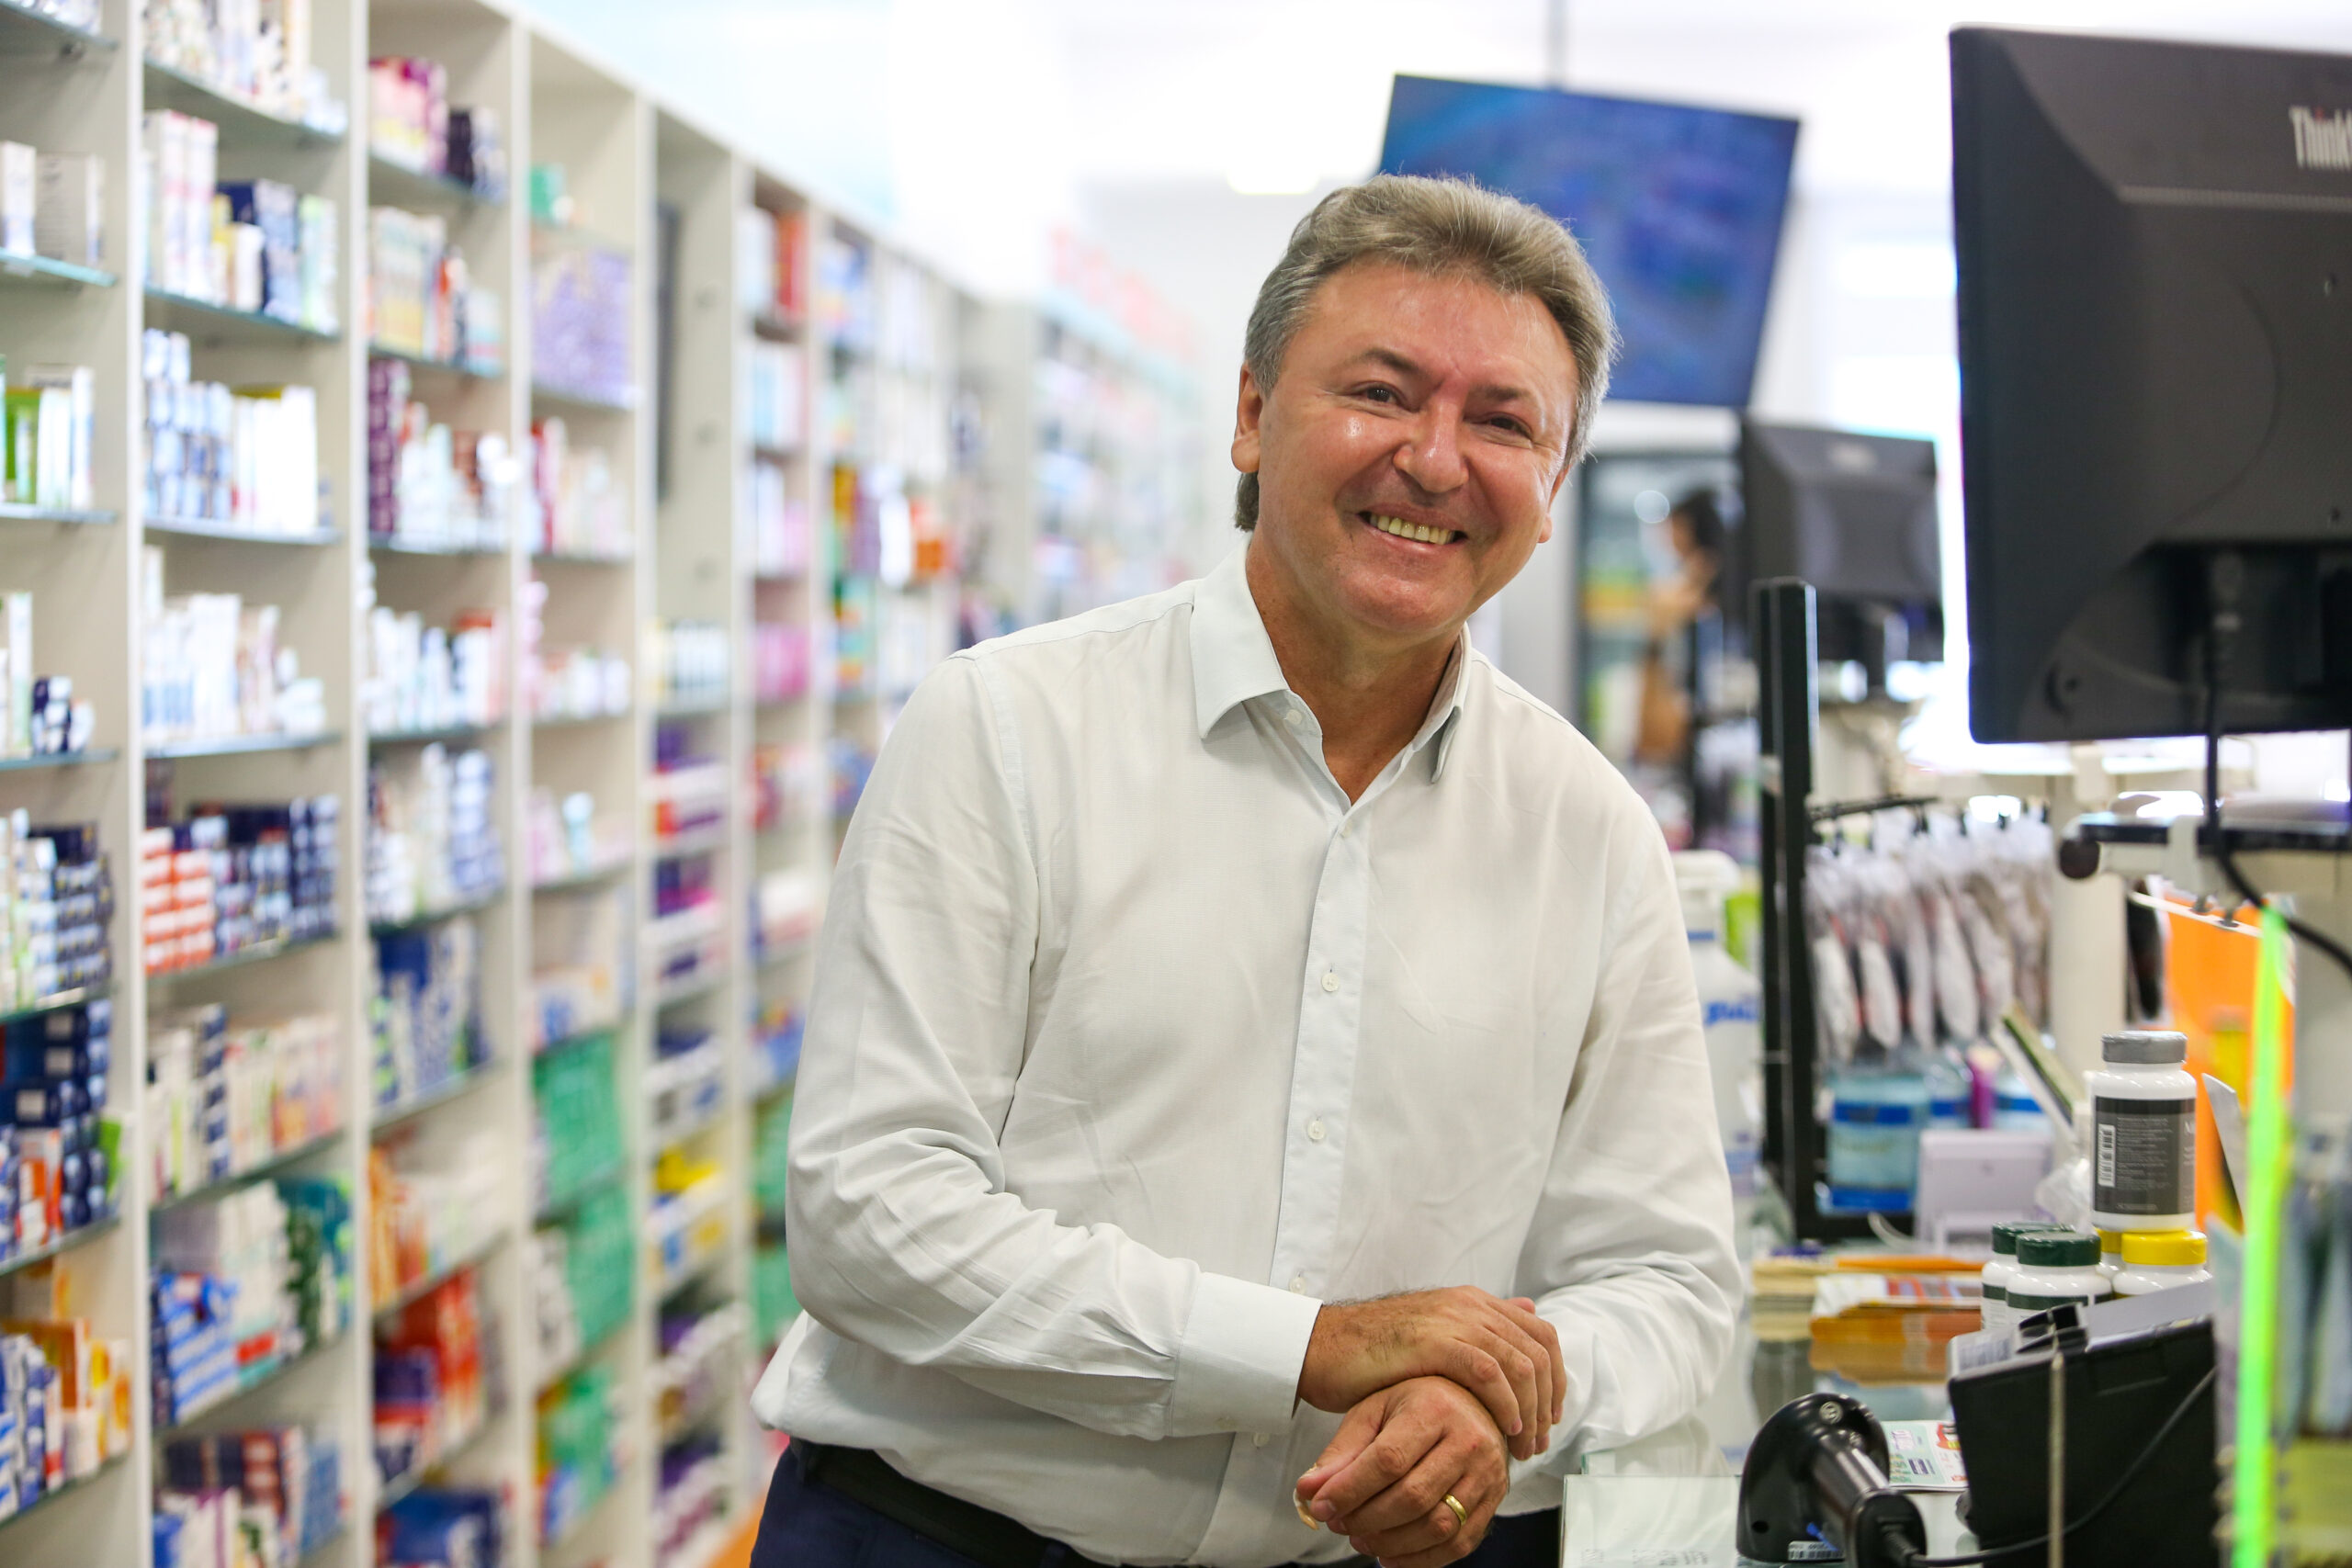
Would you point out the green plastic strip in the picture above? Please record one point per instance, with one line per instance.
(2256, 1506)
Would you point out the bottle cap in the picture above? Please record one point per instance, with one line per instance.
(1703, 878)
(2165, 1249)
(2005, 1234)
(2058, 1249)
(2145, 1047)
(2110, 1241)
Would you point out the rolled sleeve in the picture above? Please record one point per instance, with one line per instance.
(1239, 1363)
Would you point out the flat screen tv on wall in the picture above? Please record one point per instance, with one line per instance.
(1678, 206)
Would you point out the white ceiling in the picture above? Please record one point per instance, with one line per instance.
(977, 125)
(1300, 87)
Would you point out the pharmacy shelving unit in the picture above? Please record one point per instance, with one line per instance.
(1092, 450)
(488, 1108)
(599, 129)
(889, 334)
(62, 89)
(703, 1266)
(869, 468)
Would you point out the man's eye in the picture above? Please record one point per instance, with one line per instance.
(1380, 394)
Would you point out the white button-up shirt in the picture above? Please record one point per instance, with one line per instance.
(1134, 1040)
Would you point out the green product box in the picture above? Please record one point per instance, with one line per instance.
(21, 411)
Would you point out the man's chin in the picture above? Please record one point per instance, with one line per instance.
(1404, 612)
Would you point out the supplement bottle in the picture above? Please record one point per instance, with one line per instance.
(2158, 1260)
(2002, 1267)
(2013, 1108)
(1730, 1006)
(2055, 1268)
(2143, 1132)
(1948, 1088)
(1876, 1113)
(2111, 1255)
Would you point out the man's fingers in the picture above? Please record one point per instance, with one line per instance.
(1387, 1460)
(1479, 1370)
(1545, 1335)
(1509, 1344)
(1361, 1424)
(1404, 1506)
(1434, 1533)
(1532, 1405)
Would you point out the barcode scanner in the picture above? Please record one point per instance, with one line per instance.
(1816, 1485)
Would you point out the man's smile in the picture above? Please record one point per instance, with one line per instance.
(1397, 527)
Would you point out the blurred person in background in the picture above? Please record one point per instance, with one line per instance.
(1694, 530)
(1253, 1105)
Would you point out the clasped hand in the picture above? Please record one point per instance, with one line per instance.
(1440, 1389)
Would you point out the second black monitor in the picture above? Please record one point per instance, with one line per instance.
(1855, 515)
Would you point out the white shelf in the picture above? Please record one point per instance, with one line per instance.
(238, 745)
(205, 528)
(16, 268)
(25, 30)
(169, 87)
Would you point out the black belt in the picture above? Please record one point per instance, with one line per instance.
(988, 1539)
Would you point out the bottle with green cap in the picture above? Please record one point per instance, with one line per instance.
(2002, 1266)
(2161, 1260)
(2056, 1267)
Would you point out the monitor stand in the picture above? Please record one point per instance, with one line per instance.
(2312, 861)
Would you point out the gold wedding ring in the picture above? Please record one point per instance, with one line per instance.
(1461, 1514)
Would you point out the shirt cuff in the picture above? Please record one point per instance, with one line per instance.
(1238, 1368)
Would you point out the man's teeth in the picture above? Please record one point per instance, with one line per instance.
(1405, 530)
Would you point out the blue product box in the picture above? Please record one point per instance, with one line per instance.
(39, 1105)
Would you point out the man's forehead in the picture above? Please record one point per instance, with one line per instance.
(1505, 362)
(1417, 324)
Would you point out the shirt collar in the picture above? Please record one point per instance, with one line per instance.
(1232, 660)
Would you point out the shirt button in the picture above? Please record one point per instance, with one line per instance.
(1330, 980)
(1298, 1284)
(1257, 1440)
(1344, 827)
(1290, 717)
(1315, 1130)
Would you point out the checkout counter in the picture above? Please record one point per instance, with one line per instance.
(1670, 1501)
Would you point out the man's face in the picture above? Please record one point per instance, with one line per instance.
(1409, 450)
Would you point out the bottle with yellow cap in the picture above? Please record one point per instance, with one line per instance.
(2160, 1260)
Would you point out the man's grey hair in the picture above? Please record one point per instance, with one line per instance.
(1448, 228)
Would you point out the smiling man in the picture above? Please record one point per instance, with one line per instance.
(1254, 1107)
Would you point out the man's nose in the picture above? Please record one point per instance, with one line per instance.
(1431, 454)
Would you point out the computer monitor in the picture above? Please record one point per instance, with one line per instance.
(2155, 337)
(1679, 206)
(1855, 517)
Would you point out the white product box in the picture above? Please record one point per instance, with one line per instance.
(16, 625)
(69, 396)
(19, 179)
(68, 208)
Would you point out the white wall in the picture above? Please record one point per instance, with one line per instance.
(975, 126)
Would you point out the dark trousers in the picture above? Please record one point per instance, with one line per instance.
(808, 1525)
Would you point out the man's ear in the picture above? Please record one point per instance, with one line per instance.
(1552, 503)
(1250, 409)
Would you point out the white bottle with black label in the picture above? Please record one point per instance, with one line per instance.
(2143, 1132)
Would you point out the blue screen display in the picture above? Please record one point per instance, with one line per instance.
(1679, 207)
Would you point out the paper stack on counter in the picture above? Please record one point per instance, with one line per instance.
(1891, 1327)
